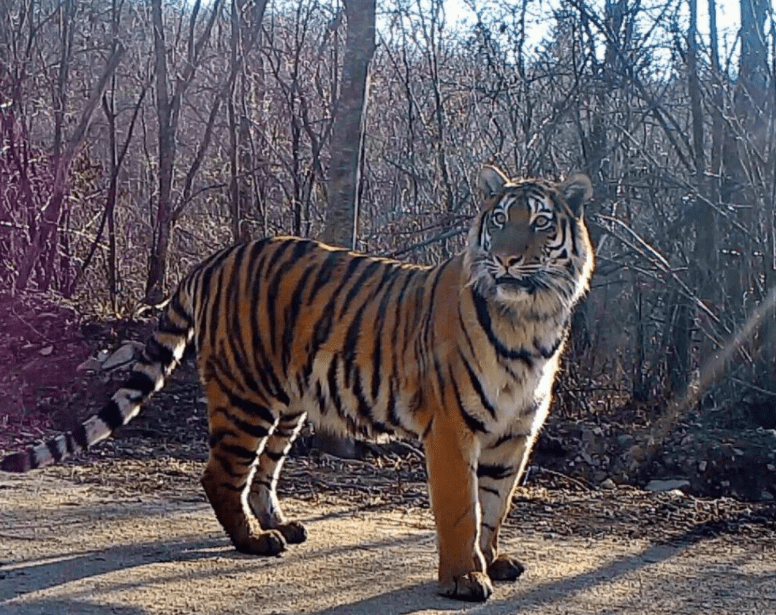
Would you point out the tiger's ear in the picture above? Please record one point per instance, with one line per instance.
(491, 180)
(577, 190)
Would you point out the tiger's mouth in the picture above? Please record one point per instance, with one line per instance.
(526, 284)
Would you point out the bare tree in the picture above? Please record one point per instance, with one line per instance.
(348, 135)
(168, 107)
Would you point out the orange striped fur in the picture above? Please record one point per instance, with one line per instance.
(461, 356)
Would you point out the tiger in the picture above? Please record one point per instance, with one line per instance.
(461, 356)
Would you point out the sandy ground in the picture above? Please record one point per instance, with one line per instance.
(74, 546)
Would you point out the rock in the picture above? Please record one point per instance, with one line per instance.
(608, 484)
(123, 357)
(666, 485)
(90, 365)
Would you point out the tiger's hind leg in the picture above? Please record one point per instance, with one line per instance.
(239, 428)
(262, 497)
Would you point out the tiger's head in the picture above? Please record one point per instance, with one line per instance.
(529, 242)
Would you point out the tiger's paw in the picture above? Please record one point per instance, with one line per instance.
(293, 532)
(472, 587)
(505, 568)
(270, 542)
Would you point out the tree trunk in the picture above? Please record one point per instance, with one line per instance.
(341, 226)
(163, 226)
(347, 140)
(168, 112)
(245, 29)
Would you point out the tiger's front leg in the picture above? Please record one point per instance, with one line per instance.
(500, 466)
(451, 459)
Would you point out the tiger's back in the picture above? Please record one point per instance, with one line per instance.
(462, 356)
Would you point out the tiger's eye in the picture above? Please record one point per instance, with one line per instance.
(499, 217)
(542, 223)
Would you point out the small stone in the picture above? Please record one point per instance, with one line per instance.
(608, 484)
(656, 485)
(123, 357)
(90, 365)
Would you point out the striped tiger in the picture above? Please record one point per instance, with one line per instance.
(461, 355)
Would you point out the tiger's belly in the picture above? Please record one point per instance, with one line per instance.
(352, 400)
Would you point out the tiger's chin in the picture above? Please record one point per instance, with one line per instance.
(513, 292)
(523, 295)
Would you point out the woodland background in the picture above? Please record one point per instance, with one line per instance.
(136, 137)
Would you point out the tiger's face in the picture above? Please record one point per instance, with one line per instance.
(530, 240)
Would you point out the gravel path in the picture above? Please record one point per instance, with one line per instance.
(137, 537)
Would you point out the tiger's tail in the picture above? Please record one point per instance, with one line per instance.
(161, 355)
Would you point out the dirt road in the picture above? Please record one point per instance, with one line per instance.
(117, 537)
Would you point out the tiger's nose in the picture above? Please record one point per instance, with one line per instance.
(508, 260)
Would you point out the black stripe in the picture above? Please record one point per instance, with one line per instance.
(472, 422)
(252, 429)
(283, 244)
(495, 471)
(167, 327)
(291, 418)
(403, 308)
(391, 409)
(245, 455)
(214, 313)
(488, 526)
(292, 316)
(326, 271)
(320, 334)
(226, 464)
(79, 437)
(54, 449)
(572, 227)
(32, 459)
(258, 356)
(219, 434)
(469, 343)
(273, 455)
(392, 275)
(483, 316)
(140, 382)
(427, 429)
(111, 415)
(429, 310)
(546, 353)
(236, 337)
(477, 386)
(507, 437)
(351, 345)
(491, 490)
(370, 270)
(323, 326)
(278, 278)
(250, 408)
(158, 352)
(319, 398)
(177, 308)
(333, 385)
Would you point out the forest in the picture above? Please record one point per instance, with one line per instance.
(138, 137)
